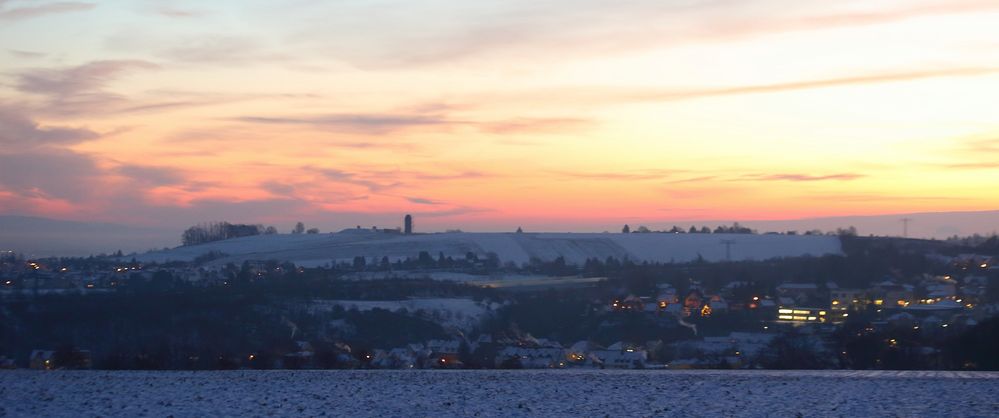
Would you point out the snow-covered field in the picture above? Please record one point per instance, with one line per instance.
(567, 393)
(320, 249)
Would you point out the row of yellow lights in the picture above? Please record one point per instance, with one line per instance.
(797, 318)
(798, 312)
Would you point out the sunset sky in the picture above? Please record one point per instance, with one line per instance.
(488, 115)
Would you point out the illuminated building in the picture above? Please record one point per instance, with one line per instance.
(804, 315)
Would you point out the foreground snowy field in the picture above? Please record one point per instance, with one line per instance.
(499, 393)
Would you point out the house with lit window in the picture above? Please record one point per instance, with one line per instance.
(693, 303)
(47, 360)
(620, 356)
(891, 294)
(845, 299)
(42, 360)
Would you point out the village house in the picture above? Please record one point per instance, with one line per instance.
(300, 359)
(733, 350)
(620, 355)
(973, 289)
(42, 360)
(532, 357)
(972, 262)
(718, 304)
(693, 303)
(444, 354)
(629, 303)
(889, 293)
(52, 359)
(799, 293)
(843, 299)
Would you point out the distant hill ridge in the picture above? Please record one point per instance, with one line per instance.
(44, 237)
(321, 249)
(38, 236)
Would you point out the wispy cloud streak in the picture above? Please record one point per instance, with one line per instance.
(625, 95)
(797, 177)
(28, 12)
(381, 123)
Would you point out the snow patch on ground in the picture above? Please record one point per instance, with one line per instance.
(483, 393)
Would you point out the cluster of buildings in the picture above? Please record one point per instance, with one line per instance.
(45, 278)
(929, 303)
(941, 296)
(484, 352)
(738, 349)
(696, 302)
(801, 303)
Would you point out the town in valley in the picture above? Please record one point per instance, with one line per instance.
(727, 297)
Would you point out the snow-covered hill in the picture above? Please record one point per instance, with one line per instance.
(321, 249)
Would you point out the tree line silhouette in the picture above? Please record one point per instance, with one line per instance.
(217, 231)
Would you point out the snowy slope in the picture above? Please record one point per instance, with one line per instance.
(320, 249)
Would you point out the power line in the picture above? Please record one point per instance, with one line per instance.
(728, 243)
(905, 227)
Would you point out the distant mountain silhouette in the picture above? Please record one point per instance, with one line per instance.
(939, 225)
(40, 237)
